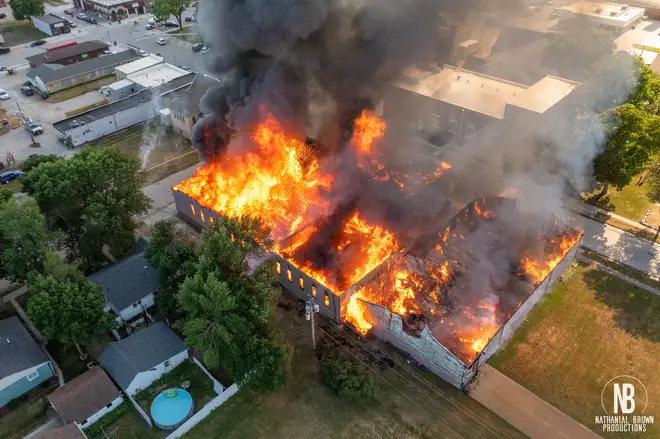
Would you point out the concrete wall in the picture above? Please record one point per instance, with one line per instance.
(181, 124)
(106, 125)
(425, 349)
(204, 412)
(17, 384)
(144, 379)
(137, 308)
(104, 411)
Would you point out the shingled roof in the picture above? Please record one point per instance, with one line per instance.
(55, 72)
(140, 352)
(126, 281)
(53, 56)
(84, 395)
(18, 351)
(70, 431)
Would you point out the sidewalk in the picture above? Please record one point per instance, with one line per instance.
(524, 410)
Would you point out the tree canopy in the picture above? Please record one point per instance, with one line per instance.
(66, 306)
(632, 138)
(92, 198)
(347, 378)
(229, 305)
(24, 9)
(162, 9)
(32, 163)
(23, 239)
(175, 258)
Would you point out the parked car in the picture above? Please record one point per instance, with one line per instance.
(9, 176)
(38, 43)
(205, 50)
(150, 26)
(4, 95)
(72, 24)
(188, 19)
(142, 53)
(69, 12)
(161, 41)
(81, 16)
(27, 91)
(4, 50)
(3, 15)
(171, 23)
(197, 47)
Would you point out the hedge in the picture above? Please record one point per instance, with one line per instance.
(97, 428)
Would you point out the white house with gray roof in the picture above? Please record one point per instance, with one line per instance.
(23, 365)
(137, 361)
(129, 285)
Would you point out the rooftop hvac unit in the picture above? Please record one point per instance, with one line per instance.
(624, 7)
(598, 10)
(613, 14)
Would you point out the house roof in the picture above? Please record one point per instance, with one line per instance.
(55, 72)
(157, 75)
(49, 19)
(185, 99)
(70, 431)
(18, 351)
(126, 281)
(100, 112)
(140, 352)
(84, 395)
(485, 94)
(140, 245)
(52, 56)
(140, 64)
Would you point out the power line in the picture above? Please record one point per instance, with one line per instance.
(391, 385)
(420, 390)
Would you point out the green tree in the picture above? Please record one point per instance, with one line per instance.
(67, 307)
(575, 52)
(92, 198)
(653, 180)
(229, 305)
(162, 9)
(24, 9)
(30, 165)
(632, 138)
(23, 239)
(347, 378)
(175, 258)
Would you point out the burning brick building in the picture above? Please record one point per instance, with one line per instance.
(389, 257)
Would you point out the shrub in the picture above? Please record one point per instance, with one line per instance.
(347, 378)
(97, 428)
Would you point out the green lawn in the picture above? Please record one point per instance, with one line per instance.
(630, 202)
(132, 425)
(162, 153)
(80, 90)
(201, 386)
(15, 32)
(305, 408)
(586, 332)
(24, 419)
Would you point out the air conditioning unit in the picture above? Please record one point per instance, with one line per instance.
(613, 14)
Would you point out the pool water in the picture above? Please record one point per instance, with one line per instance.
(171, 408)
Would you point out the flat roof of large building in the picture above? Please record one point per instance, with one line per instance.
(605, 10)
(157, 75)
(485, 94)
(50, 19)
(140, 64)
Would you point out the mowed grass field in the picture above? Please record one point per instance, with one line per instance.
(16, 32)
(592, 329)
(307, 409)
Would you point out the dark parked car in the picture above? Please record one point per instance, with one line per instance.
(197, 47)
(187, 19)
(3, 15)
(38, 43)
(170, 24)
(69, 12)
(4, 50)
(9, 176)
(27, 91)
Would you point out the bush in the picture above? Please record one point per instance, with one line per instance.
(97, 428)
(347, 378)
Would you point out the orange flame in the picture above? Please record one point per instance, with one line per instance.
(538, 270)
(356, 312)
(367, 129)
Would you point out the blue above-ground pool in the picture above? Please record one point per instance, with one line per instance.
(172, 408)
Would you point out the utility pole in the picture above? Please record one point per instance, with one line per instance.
(311, 308)
(24, 122)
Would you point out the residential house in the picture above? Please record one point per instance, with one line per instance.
(23, 365)
(51, 24)
(71, 431)
(140, 359)
(182, 102)
(86, 398)
(129, 285)
(50, 78)
(70, 54)
(108, 119)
